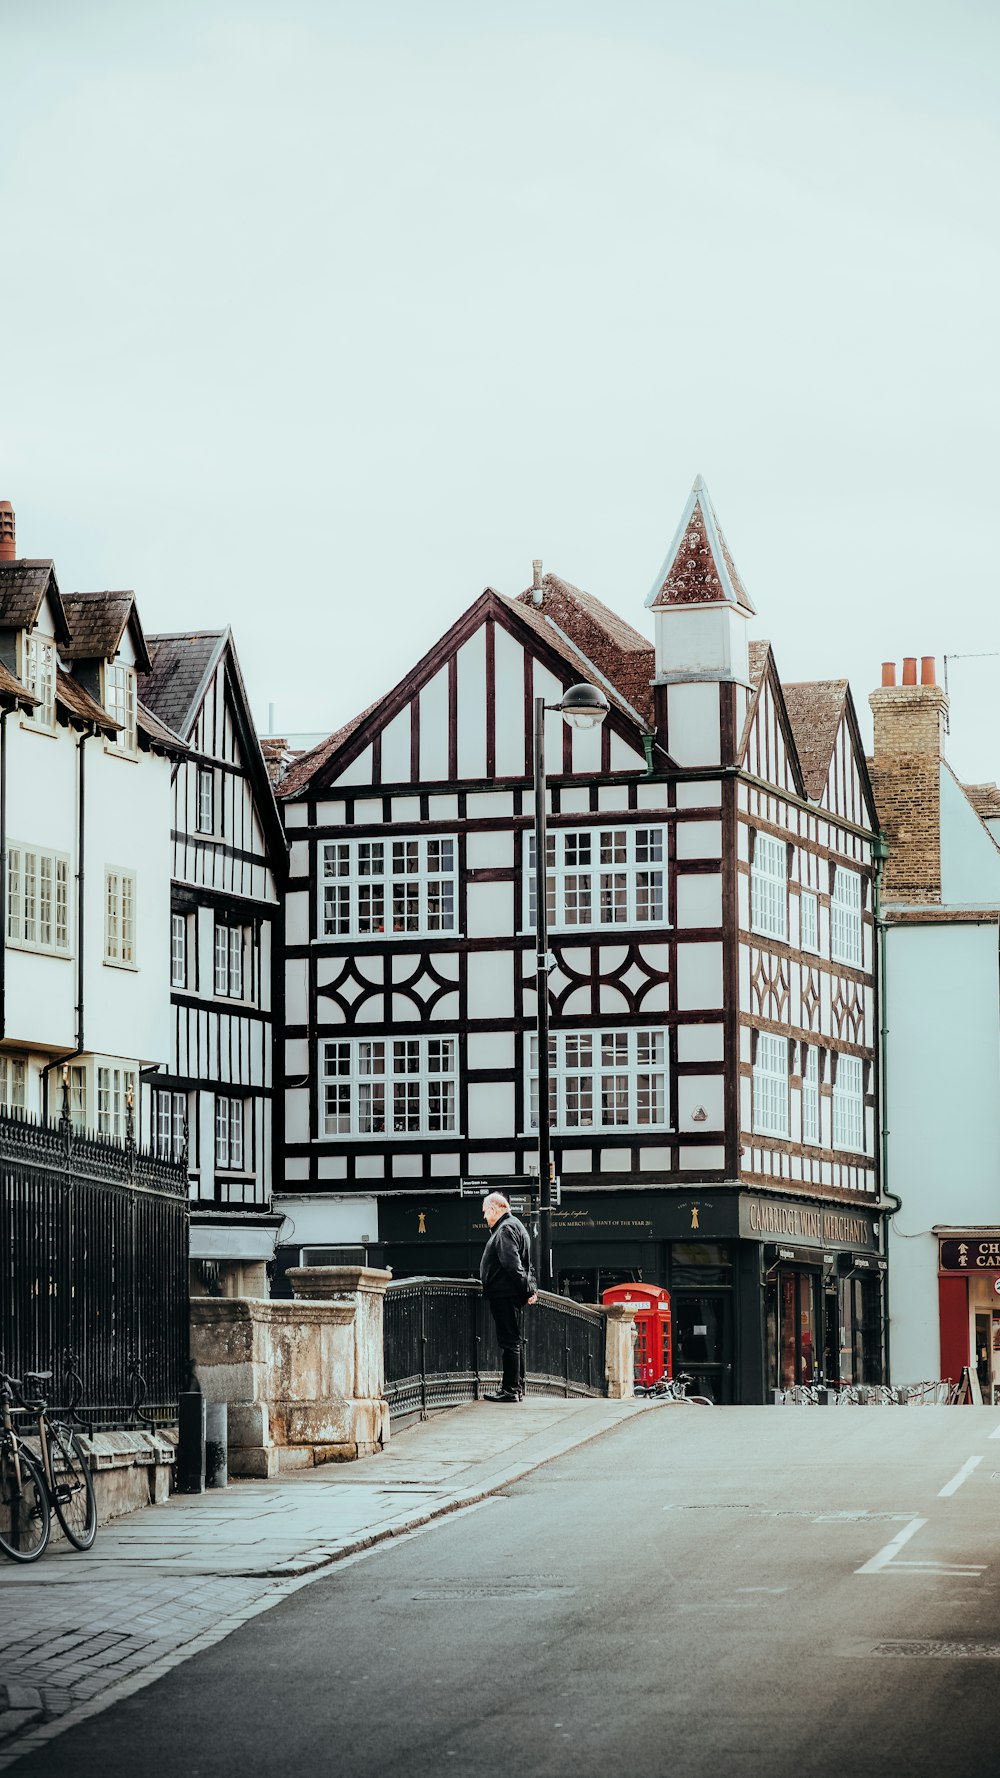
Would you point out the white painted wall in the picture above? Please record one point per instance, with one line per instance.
(970, 858)
(943, 1122)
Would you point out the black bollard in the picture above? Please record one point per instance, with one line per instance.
(217, 1444)
(190, 1442)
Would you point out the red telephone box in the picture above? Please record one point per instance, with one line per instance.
(654, 1353)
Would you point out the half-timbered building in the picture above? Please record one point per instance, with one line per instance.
(709, 894)
(228, 870)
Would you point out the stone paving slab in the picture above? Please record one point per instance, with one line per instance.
(82, 1630)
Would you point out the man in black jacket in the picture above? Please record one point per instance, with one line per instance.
(508, 1286)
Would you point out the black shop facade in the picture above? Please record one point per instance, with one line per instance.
(766, 1292)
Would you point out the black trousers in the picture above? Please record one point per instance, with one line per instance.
(508, 1319)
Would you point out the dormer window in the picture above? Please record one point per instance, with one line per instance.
(119, 702)
(39, 675)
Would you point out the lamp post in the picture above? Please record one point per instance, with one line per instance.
(582, 706)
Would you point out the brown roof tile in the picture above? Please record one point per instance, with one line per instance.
(97, 623)
(11, 688)
(815, 709)
(23, 585)
(622, 656)
(307, 764)
(79, 706)
(985, 799)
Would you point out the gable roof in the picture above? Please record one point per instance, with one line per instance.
(97, 623)
(603, 644)
(23, 586)
(815, 709)
(610, 637)
(12, 691)
(985, 799)
(77, 705)
(699, 568)
(180, 668)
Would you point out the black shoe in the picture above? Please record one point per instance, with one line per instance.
(501, 1395)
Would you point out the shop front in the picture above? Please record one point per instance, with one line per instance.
(969, 1306)
(765, 1292)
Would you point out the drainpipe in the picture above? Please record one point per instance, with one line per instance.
(647, 748)
(880, 852)
(81, 834)
(3, 869)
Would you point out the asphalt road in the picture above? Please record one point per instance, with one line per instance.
(761, 1593)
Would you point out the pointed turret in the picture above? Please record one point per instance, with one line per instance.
(699, 569)
(701, 610)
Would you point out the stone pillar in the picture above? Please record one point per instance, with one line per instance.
(619, 1364)
(303, 1379)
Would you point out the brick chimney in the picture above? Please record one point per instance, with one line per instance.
(8, 542)
(906, 777)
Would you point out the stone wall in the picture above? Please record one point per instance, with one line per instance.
(906, 779)
(303, 1380)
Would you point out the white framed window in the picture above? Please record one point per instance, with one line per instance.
(809, 920)
(169, 1120)
(37, 898)
(13, 1083)
(205, 805)
(376, 887)
(78, 1096)
(845, 917)
(601, 876)
(178, 950)
(229, 1134)
(810, 1093)
(403, 1086)
(119, 918)
(769, 886)
(770, 1085)
(602, 1080)
(228, 960)
(39, 675)
(119, 702)
(117, 1088)
(849, 1104)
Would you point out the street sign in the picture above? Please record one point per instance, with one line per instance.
(969, 1254)
(524, 1184)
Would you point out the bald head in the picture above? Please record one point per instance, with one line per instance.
(494, 1207)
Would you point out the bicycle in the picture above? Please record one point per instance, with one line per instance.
(32, 1488)
(671, 1389)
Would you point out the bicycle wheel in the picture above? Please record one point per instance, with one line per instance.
(700, 1401)
(72, 1487)
(24, 1506)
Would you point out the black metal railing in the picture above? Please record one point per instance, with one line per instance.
(93, 1267)
(440, 1346)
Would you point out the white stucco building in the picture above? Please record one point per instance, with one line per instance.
(941, 1011)
(85, 839)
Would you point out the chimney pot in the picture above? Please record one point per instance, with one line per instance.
(8, 541)
(927, 673)
(888, 672)
(909, 669)
(536, 580)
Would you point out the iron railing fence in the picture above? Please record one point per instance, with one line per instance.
(440, 1345)
(93, 1263)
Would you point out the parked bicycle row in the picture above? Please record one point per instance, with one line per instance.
(941, 1393)
(43, 1470)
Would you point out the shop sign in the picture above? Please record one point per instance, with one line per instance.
(969, 1253)
(766, 1219)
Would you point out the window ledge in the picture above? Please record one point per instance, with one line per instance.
(118, 963)
(40, 728)
(129, 753)
(17, 944)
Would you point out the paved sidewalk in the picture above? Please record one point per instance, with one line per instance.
(81, 1631)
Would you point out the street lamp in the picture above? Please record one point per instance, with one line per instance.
(582, 706)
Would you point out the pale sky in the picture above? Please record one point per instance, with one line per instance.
(317, 318)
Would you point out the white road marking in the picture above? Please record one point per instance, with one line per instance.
(995, 1433)
(886, 1554)
(930, 1567)
(963, 1475)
